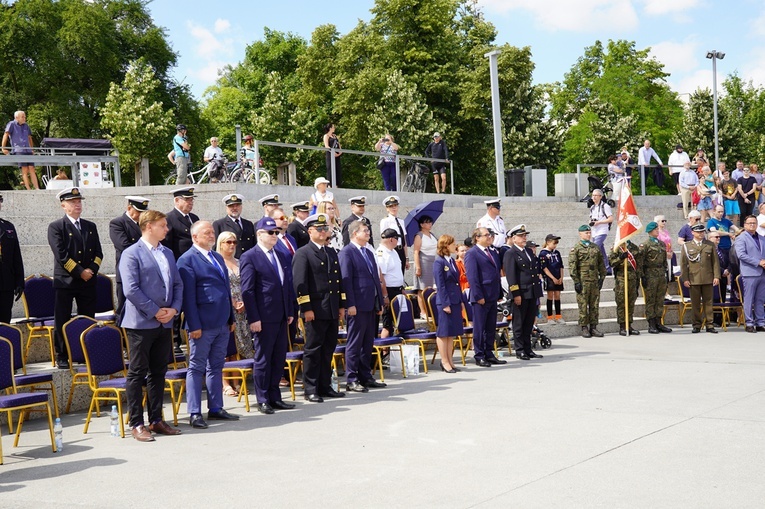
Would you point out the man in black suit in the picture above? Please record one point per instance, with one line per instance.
(179, 221)
(77, 257)
(11, 268)
(319, 289)
(296, 228)
(236, 224)
(522, 272)
(358, 207)
(124, 232)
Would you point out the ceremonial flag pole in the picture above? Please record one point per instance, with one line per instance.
(628, 225)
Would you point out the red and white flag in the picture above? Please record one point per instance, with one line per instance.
(628, 222)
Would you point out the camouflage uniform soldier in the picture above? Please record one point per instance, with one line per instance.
(617, 260)
(588, 270)
(653, 263)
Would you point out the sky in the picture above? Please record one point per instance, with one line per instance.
(208, 35)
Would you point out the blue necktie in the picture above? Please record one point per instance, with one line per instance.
(364, 253)
(272, 256)
(215, 264)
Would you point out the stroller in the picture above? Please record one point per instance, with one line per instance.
(538, 338)
(596, 183)
(215, 168)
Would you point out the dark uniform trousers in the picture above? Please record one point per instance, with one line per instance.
(522, 271)
(150, 352)
(320, 344)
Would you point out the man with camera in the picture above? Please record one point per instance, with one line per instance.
(601, 218)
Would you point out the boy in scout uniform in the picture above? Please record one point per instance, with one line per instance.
(627, 253)
(653, 263)
(77, 257)
(588, 270)
(700, 273)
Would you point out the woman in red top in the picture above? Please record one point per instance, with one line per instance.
(460, 262)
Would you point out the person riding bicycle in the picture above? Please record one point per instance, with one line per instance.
(214, 154)
(248, 152)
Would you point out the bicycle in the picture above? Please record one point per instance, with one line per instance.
(416, 178)
(216, 171)
(245, 174)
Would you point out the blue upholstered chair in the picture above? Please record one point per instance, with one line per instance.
(238, 370)
(403, 321)
(72, 331)
(38, 311)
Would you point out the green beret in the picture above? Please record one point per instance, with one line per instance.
(651, 226)
(585, 228)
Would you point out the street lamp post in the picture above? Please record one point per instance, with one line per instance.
(496, 120)
(715, 55)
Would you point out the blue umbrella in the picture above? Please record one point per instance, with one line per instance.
(433, 209)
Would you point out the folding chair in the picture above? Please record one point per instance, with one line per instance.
(403, 322)
(685, 300)
(36, 381)
(72, 331)
(175, 378)
(104, 299)
(238, 370)
(430, 318)
(390, 342)
(293, 363)
(38, 300)
(433, 311)
(23, 402)
(668, 303)
(502, 327)
(102, 346)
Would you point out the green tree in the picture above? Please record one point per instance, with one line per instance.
(132, 117)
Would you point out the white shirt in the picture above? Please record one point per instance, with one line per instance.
(393, 223)
(278, 264)
(164, 266)
(390, 266)
(598, 213)
(497, 226)
(677, 160)
(213, 151)
(645, 155)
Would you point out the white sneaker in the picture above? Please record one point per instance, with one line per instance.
(561, 321)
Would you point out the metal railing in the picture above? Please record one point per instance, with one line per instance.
(642, 173)
(71, 159)
(398, 157)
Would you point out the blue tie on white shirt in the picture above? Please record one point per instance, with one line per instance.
(272, 256)
(364, 252)
(215, 264)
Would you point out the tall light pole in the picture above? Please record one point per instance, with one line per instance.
(715, 55)
(495, 113)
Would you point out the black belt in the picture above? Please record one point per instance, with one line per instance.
(399, 288)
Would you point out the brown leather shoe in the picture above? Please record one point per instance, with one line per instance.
(163, 428)
(142, 434)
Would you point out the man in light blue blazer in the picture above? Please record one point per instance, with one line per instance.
(153, 295)
(750, 249)
(269, 299)
(209, 314)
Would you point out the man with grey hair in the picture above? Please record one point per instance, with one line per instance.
(601, 218)
(20, 136)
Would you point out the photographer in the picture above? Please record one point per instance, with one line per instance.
(601, 218)
(387, 161)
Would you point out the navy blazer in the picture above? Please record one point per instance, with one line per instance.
(73, 252)
(362, 287)
(12, 266)
(145, 290)
(124, 232)
(266, 298)
(244, 235)
(206, 292)
(447, 279)
(178, 237)
(284, 249)
(483, 275)
(748, 255)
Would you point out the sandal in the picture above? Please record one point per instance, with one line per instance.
(230, 391)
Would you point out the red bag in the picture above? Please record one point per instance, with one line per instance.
(695, 196)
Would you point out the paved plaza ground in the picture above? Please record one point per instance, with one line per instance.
(672, 420)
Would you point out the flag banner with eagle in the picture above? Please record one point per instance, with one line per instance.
(628, 223)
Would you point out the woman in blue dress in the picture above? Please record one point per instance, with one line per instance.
(448, 301)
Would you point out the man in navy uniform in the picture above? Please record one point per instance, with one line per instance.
(179, 221)
(482, 266)
(124, 232)
(297, 229)
(269, 299)
(364, 298)
(269, 204)
(11, 268)
(319, 291)
(522, 272)
(358, 206)
(236, 224)
(77, 257)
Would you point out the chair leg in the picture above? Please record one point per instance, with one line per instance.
(119, 411)
(52, 351)
(90, 413)
(55, 398)
(403, 363)
(424, 358)
(50, 429)
(22, 413)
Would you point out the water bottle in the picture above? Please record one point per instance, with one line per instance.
(58, 435)
(114, 422)
(335, 386)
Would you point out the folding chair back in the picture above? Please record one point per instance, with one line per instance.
(72, 330)
(466, 305)
(6, 366)
(432, 309)
(38, 297)
(403, 319)
(13, 335)
(102, 345)
(104, 294)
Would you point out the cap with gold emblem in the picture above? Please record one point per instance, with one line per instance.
(70, 193)
(301, 206)
(519, 230)
(183, 192)
(271, 199)
(493, 203)
(139, 203)
(316, 220)
(233, 199)
(391, 200)
(358, 200)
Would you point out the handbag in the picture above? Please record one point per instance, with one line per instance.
(695, 196)
(411, 360)
(380, 163)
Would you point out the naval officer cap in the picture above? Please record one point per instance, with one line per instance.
(391, 200)
(698, 228)
(233, 199)
(493, 203)
(519, 230)
(183, 192)
(316, 220)
(301, 206)
(358, 200)
(70, 193)
(139, 203)
(271, 199)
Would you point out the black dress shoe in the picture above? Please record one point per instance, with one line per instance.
(696, 330)
(332, 393)
(62, 364)
(177, 349)
(265, 408)
(314, 398)
(534, 355)
(749, 328)
(494, 360)
(282, 405)
(374, 384)
(483, 363)
(222, 415)
(759, 328)
(355, 387)
(634, 332)
(712, 330)
(522, 356)
(196, 421)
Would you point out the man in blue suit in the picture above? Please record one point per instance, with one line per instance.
(364, 299)
(482, 266)
(750, 248)
(286, 242)
(153, 296)
(209, 314)
(269, 299)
